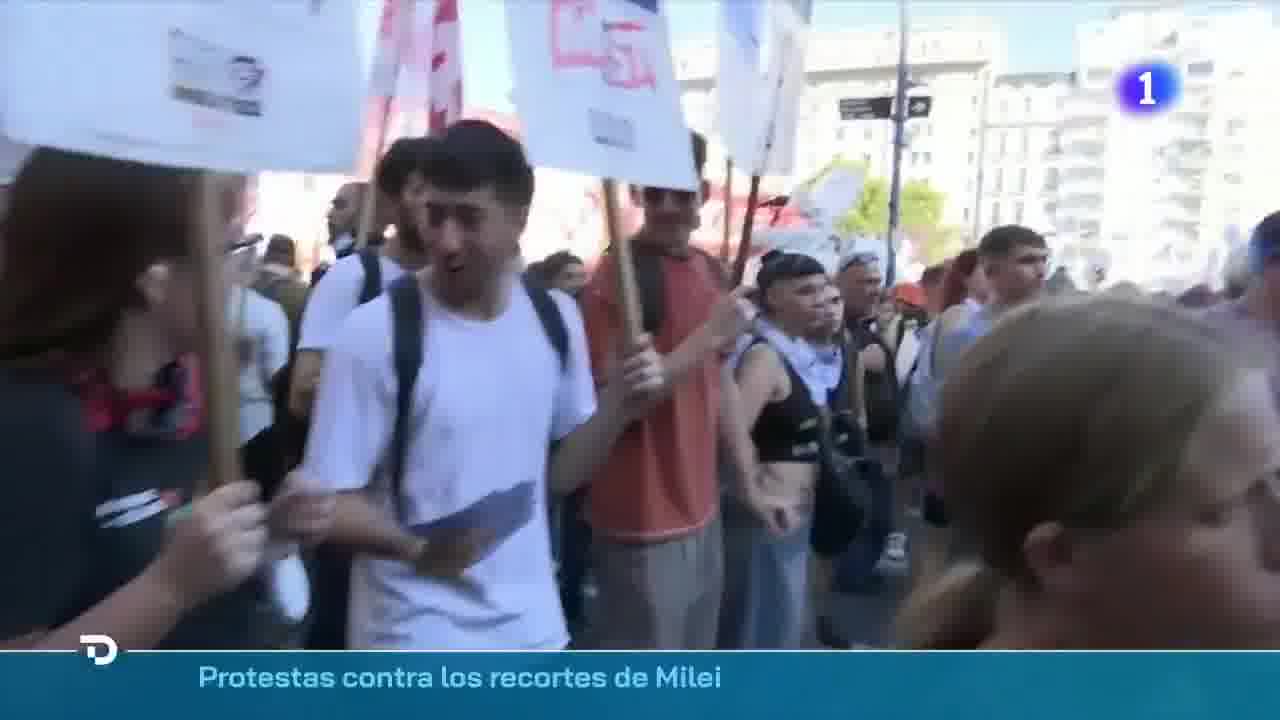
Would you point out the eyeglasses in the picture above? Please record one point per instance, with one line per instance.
(469, 217)
(655, 196)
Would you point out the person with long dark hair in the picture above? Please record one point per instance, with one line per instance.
(102, 425)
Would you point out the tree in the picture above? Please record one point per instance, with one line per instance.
(921, 208)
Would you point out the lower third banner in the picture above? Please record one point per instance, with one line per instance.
(649, 685)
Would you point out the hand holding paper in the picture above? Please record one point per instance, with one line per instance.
(456, 542)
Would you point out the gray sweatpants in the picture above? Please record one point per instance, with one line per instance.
(766, 584)
(660, 595)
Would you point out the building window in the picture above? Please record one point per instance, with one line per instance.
(1004, 143)
(840, 133)
(966, 214)
(972, 156)
(1234, 126)
(1022, 180)
(927, 157)
(1025, 143)
(866, 159)
(974, 101)
(1200, 69)
(915, 158)
(995, 213)
(866, 134)
(1097, 75)
(1026, 105)
(1018, 209)
(999, 180)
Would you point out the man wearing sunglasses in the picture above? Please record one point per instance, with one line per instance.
(654, 507)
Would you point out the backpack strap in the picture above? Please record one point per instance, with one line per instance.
(855, 383)
(372, 288)
(552, 320)
(407, 334)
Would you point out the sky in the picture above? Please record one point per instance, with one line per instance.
(1039, 34)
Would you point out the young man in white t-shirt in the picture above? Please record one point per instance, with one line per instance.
(491, 397)
(399, 178)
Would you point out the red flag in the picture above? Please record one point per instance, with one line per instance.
(445, 104)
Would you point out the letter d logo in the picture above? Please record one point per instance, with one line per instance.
(91, 644)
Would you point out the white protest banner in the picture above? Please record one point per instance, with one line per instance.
(596, 91)
(226, 85)
(761, 78)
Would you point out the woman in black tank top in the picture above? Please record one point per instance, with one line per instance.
(767, 523)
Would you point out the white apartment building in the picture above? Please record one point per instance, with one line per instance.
(1155, 195)
(952, 62)
(1019, 178)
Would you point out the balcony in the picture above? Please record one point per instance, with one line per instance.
(1079, 192)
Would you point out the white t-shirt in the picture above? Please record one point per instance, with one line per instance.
(266, 328)
(334, 297)
(489, 398)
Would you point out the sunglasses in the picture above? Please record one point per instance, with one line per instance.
(468, 217)
(655, 196)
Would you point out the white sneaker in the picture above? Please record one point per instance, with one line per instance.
(895, 547)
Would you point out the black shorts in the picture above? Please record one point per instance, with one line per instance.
(840, 509)
(933, 510)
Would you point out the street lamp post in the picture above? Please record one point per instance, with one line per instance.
(899, 144)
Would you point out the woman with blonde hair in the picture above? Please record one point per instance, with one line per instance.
(1110, 470)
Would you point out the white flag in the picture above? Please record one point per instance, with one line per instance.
(596, 90)
(761, 78)
(227, 85)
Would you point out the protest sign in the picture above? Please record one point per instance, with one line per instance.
(760, 80)
(230, 85)
(596, 91)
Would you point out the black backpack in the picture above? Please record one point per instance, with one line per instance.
(331, 576)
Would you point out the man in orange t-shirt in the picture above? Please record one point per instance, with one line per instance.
(654, 506)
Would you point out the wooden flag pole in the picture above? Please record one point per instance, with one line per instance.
(744, 242)
(628, 291)
(369, 201)
(218, 368)
(726, 241)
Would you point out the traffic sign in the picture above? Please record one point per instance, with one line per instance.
(877, 108)
(881, 108)
(919, 106)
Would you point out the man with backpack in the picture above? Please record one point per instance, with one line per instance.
(471, 392)
(359, 277)
(352, 281)
(861, 285)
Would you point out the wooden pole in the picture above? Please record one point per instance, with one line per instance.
(218, 368)
(744, 242)
(369, 201)
(628, 291)
(726, 241)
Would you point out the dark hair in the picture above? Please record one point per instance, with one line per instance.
(281, 249)
(933, 274)
(555, 263)
(79, 231)
(402, 159)
(955, 283)
(475, 154)
(699, 152)
(776, 266)
(1197, 296)
(1002, 240)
